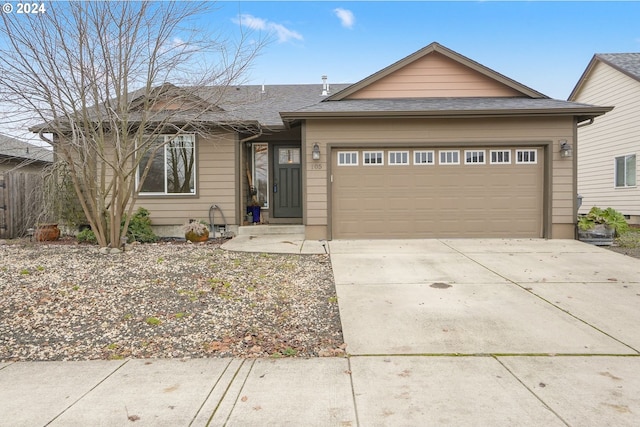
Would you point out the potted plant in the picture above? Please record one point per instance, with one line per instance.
(600, 226)
(46, 232)
(254, 210)
(196, 231)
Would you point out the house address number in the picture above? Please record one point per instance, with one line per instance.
(317, 166)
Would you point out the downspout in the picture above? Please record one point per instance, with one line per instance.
(575, 168)
(240, 187)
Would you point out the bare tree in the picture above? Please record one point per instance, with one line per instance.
(96, 76)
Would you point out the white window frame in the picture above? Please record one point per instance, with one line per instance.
(476, 154)
(167, 139)
(499, 162)
(393, 156)
(352, 155)
(379, 155)
(445, 152)
(527, 162)
(626, 157)
(426, 157)
(254, 177)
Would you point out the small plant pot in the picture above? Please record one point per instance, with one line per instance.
(255, 213)
(46, 233)
(196, 238)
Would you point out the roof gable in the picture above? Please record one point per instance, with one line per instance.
(625, 63)
(435, 72)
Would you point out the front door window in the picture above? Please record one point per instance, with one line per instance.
(289, 156)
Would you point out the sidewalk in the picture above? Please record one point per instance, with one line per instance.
(356, 391)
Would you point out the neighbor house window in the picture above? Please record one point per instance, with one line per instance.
(474, 157)
(626, 171)
(450, 157)
(398, 157)
(372, 158)
(526, 156)
(173, 166)
(423, 157)
(260, 173)
(500, 157)
(347, 158)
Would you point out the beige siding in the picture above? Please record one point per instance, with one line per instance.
(617, 133)
(215, 184)
(434, 75)
(441, 133)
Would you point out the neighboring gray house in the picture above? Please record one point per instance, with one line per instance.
(609, 148)
(16, 154)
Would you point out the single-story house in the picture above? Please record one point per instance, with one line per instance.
(608, 155)
(22, 155)
(434, 145)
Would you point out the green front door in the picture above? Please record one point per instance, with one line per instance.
(287, 182)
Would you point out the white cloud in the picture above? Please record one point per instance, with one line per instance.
(252, 22)
(345, 16)
(283, 33)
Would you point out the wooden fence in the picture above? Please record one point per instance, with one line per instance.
(22, 202)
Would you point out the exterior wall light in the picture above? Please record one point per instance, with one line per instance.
(565, 150)
(315, 154)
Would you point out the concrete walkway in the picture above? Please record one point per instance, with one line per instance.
(439, 332)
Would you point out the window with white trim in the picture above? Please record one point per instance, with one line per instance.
(372, 158)
(474, 157)
(398, 157)
(625, 174)
(172, 169)
(500, 157)
(347, 158)
(423, 157)
(260, 172)
(449, 157)
(526, 156)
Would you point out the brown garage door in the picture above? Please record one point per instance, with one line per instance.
(415, 193)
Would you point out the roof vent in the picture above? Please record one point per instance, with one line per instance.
(325, 86)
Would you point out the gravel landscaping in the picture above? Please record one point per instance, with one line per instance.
(166, 300)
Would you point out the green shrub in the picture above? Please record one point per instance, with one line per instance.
(139, 229)
(608, 216)
(87, 236)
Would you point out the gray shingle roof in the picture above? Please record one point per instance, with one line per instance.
(444, 107)
(250, 103)
(15, 149)
(628, 63)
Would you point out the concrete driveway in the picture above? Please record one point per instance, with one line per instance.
(486, 297)
(490, 332)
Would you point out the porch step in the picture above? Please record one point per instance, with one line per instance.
(262, 230)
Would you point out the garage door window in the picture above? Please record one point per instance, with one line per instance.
(450, 157)
(526, 156)
(423, 157)
(398, 157)
(348, 158)
(474, 157)
(500, 157)
(372, 158)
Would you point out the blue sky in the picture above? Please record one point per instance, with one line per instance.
(544, 45)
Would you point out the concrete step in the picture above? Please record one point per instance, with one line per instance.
(263, 230)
